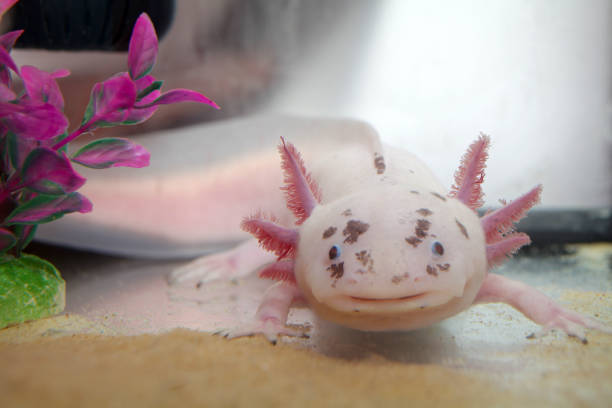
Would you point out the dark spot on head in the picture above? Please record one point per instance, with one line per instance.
(421, 228)
(366, 260)
(353, 229)
(424, 211)
(422, 307)
(363, 257)
(347, 212)
(414, 192)
(399, 278)
(356, 310)
(431, 270)
(443, 267)
(441, 197)
(379, 163)
(462, 228)
(199, 285)
(337, 270)
(329, 232)
(414, 241)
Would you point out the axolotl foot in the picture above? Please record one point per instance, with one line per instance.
(271, 316)
(538, 307)
(572, 323)
(271, 328)
(231, 264)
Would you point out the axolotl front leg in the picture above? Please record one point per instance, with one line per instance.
(537, 307)
(503, 241)
(271, 316)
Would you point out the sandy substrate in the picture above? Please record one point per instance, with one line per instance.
(480, 357)
(186, 368)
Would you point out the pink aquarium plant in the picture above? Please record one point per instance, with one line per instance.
(38, 182)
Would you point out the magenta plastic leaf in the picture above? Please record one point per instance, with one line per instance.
(114, 94)
(145, 86)
(49, 172)
(7, 240)
(180, 95)
(7, 41)
(19, 148)
(142, 50)
(131, 116)
(33, 121)
(6, 59)
(5, 5)
(41, 86)
(6, 94)
(60, 73)
(139, 115)
(144, 82)
(45, 208)
(112, 152)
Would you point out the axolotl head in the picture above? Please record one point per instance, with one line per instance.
(390, 257)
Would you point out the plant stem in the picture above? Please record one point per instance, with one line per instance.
(82, 129)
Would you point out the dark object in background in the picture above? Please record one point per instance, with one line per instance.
(85, 24)
(554, 226)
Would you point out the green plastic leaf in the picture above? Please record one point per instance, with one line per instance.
(30, 288)
(7, 240)
(25, 234)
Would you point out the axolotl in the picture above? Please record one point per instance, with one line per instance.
(379, 244)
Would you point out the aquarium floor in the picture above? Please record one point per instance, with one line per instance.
(130, 340)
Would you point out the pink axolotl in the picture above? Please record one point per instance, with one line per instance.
(379, 244)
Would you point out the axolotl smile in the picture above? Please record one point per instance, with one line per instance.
(372, 268)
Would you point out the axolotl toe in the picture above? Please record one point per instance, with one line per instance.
(379, 244)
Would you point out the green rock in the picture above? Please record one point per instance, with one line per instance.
(30, 288)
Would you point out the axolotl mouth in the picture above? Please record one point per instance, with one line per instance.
(390, 304)
(388, 300)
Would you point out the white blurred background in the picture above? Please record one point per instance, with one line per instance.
(429, 75)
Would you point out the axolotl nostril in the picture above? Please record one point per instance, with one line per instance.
(379, 244)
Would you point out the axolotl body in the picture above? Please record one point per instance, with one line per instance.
(379, 244)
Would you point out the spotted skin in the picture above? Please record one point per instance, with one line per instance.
(424, 212)
(414, 241)
(379, 164)
(353, 229)
(462, 228)
(397, 279)
(329, 232)
(431, 270)
(443, 267)
(438, 196)
(421, 228)
(337, 270)
(410, 252)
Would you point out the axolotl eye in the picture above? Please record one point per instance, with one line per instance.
(334, 252)
(437, 248)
